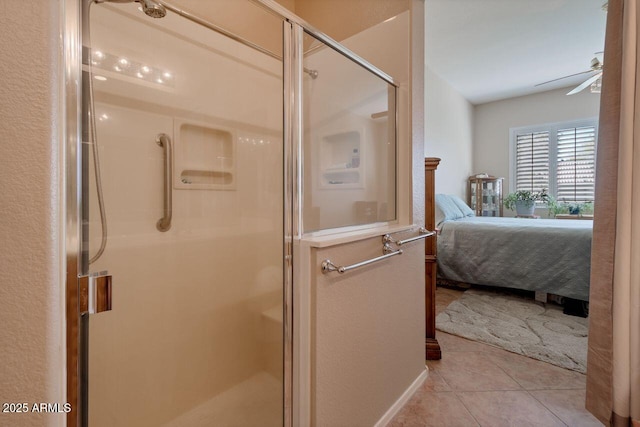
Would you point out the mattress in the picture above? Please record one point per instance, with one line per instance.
(546, 255)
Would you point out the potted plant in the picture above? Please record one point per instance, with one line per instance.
(574, 208)
(580, 209)
(556, 208)
(568, 208)
(524, 201)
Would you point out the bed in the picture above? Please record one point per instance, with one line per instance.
(544, 255)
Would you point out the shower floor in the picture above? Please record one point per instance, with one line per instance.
(256, 401)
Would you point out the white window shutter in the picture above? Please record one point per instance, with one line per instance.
(532, 161)
(576, 170)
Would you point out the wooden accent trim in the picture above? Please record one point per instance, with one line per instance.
(432, 348)
(431, 163)
(72, 338)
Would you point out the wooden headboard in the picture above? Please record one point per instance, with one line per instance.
(432, 347)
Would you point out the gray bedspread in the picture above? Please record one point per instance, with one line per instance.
(547, 255)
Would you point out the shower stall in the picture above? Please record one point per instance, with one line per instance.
(204, 147)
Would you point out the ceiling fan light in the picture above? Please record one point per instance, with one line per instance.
(596, 87)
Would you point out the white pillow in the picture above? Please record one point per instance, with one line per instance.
(450, 207)
(464, 208)
(446, 209)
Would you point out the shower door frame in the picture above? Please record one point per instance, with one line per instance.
(293, 29)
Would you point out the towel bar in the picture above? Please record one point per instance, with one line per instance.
(424, 233)
(328, 266)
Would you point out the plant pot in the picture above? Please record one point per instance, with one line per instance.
(525, 208)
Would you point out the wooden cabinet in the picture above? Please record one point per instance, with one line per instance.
(484, 195)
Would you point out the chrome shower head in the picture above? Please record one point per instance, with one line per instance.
(149, 7)
(153, 9)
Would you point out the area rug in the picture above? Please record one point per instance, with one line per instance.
(520, 325)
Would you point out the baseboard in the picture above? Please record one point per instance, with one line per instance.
(398, 405)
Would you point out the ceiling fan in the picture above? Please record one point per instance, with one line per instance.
(594, 81)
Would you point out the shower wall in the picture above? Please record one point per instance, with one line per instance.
(197, 310)
(367, 333)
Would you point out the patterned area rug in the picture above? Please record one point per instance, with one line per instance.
(520, 325)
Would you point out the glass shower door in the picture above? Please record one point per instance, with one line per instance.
(183, 207)
(350, 141)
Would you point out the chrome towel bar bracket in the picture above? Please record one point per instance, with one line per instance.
(424, 233)
(328, 266)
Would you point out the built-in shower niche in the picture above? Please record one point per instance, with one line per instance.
(205, 157)
(341, 160)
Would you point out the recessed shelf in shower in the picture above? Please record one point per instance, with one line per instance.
(205, 156)
(341, 161)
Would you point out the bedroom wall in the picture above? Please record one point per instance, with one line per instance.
(494, 119)
(449, 120)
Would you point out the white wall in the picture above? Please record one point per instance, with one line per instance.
(494, 119)
(448, 134)
(31, 307)
(342, 20)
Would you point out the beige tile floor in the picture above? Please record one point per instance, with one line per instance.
(475, 384)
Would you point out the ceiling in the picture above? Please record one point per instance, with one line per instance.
(496, 49)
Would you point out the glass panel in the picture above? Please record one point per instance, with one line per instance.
(349, 148)
(195, 336)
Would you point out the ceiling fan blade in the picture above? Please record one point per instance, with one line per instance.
(585, 84)
(560, 78)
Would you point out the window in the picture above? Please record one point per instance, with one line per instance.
(559, 157)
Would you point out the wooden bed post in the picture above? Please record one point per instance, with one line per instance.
(430, 250)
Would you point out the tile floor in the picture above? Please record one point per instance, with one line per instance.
(479, 385)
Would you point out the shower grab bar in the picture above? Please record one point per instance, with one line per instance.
(164, 223)
(328, 266)
(424, 233)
